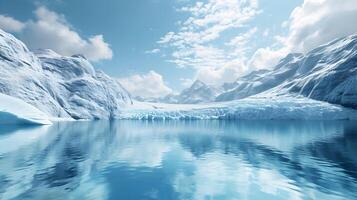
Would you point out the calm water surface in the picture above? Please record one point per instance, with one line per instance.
(180, 160)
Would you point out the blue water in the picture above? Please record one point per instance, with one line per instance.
(180, 160)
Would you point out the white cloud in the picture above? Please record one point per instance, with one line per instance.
(265, 58)
(153, 51)
(199, 44)
(96, 49)
(10, 24)
(316, 22)
(219, 75)
(186, 82)
(242, 39)
(147, 85)
(167, 38)
(51, 30)
(312, 24)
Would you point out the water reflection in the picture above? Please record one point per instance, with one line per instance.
(180, 160)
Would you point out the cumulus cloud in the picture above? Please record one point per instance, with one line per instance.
(51, 30)
(10, 24)
(310, 25)
(317, 22)
(147, 85)
(220, 75)
(264, 58)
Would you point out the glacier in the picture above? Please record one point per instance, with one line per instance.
(16, 111)
(262, 108)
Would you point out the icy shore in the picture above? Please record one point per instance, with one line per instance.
(16, 111)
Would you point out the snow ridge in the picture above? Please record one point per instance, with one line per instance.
(60, 86)
(327, 73)
(46, 85)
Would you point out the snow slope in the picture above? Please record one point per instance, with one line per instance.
(82, 91)
(327, 73)
(249, 108)
(16, 111)
(70, 87)
(64, 87)
(261, 80)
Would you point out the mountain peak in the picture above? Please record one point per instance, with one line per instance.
(197, 84)
(46, 53)
(79, 56)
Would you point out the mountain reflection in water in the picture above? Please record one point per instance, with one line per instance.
(180, 160)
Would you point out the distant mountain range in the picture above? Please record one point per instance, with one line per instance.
(198, 92)
(327, 73)
(70, 87)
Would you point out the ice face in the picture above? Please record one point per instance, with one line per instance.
(16, 111)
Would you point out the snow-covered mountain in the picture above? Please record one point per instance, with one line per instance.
(261, 80)
(198, 92)
(327, 73)
(52, 85)
(60, 86)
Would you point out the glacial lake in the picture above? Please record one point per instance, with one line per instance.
(180, 160)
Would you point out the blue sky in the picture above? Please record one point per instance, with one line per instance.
(168, 42)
